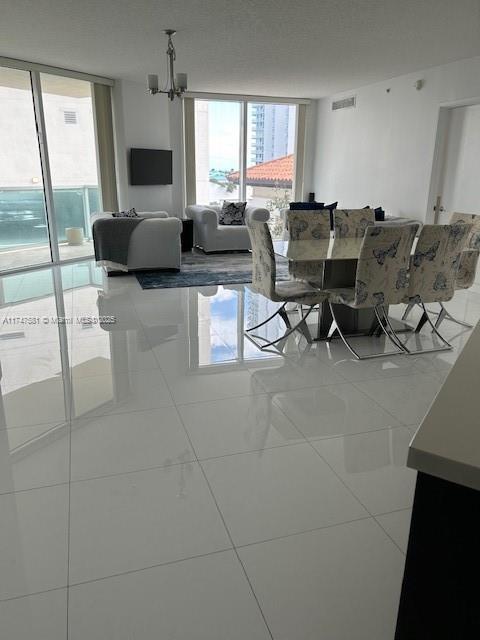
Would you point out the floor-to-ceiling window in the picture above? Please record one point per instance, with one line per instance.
(246, 150)
(23, 220)
(70, 130)
(49, 183)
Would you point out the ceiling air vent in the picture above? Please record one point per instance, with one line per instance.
(70, 117)
(345, 103)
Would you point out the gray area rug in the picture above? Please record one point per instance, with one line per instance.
(200, 269)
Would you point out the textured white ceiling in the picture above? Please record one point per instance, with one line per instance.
(302, 48)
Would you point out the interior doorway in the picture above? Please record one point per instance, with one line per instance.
(459, 188)
(455, 183)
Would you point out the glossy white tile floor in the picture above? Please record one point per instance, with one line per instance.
(160, 477)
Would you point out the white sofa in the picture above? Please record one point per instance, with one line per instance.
(154, 244)
(211, 236)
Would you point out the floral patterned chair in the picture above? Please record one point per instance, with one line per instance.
(473, 240)
(434, 269)
(381, 279)
(308, 225)
(467, 270)
(352, 223)
(467, 267)
(264, 282)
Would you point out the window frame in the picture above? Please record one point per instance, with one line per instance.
(244, 100)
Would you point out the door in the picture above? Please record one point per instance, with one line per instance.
(459, 183)
(459, 187)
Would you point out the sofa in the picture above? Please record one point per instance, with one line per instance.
(211, 236)
(154, 244)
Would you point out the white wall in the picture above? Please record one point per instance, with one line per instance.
(140, 120)
(380, 153)
(461, 187)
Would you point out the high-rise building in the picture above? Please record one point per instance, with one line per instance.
(273, 131)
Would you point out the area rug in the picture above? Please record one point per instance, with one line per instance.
(200, 270)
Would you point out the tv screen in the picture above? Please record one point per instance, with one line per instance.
(150, 166)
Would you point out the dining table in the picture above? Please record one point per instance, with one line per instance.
(337, 265)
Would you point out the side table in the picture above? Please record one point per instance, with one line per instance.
(186, 239)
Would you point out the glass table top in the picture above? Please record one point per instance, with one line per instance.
(313, 250)
(327, 249)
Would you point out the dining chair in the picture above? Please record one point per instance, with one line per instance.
(466, 269)
(433, 272)
(352, 223)
(264, 282)
(473, 240)
(381, 279)
(308, 225)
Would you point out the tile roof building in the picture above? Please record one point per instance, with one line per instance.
(274, 173)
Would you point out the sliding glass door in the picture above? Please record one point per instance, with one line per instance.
(49, 183)
(24, 239)
(70, 131)
(246, 151)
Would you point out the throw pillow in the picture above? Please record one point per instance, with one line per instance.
(131, 213)
(306, 206)
(232, 213)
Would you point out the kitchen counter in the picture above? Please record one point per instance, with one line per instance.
(447, 444)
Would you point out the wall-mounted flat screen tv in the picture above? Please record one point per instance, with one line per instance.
(150, 166)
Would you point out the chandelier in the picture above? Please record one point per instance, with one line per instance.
(176, 85)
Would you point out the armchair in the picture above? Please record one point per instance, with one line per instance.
(211, 236)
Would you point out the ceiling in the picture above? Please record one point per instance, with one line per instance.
(302, 48)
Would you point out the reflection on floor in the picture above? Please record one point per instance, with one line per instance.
(162, 478)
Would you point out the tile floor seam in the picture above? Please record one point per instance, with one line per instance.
(226, 528)
(236, 553)
(402, 423)
(356, 497)
(42, 486)
(33, 593)
(341, 479)
(357, 433)
(387, 534)
(301, 533)
(342, 435)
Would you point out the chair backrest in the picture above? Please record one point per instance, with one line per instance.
(352, 223)
(467, 269)
(382, 268)
(309, 224)
(263, 258)
(473, 241)
(434, 265)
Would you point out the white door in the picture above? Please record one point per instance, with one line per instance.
(460, 186)
(460, 182)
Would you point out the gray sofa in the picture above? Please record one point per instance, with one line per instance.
(154, 244)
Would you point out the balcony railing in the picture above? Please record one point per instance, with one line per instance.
(23, 218)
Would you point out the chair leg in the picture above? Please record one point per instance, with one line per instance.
(406, 313)
(349, 346)
(300, 326)
(277, 312)
(389, 330)
(282, 312)
(444, 314)
(423, 320)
